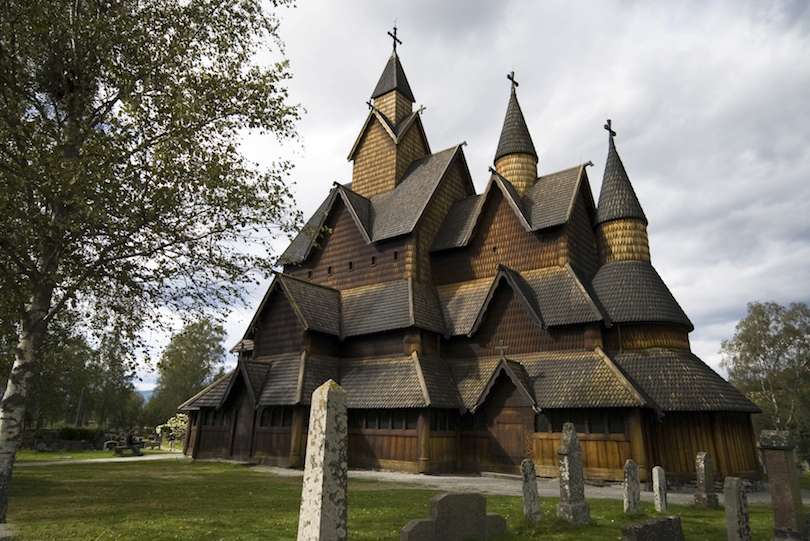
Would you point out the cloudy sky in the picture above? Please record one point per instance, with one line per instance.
(710, 101)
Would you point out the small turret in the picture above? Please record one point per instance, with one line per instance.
(392, 96)
(621, 226)
(516, 159)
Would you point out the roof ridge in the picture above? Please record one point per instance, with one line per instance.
(393, 78)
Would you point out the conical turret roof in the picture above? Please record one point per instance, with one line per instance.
(393, 78)
(617, 199)
(515, 138)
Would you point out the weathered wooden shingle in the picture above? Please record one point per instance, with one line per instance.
(317, 371)
(427, 310)
(393, 78)
(471, 376)
(256, 375)
(458, 224)
(376, 308)
(515, 138)
(679, 381)
(281, 385)
(633, 292)
(319, 306)
(211, 396)
(560, 296)
(390, 382)
(550, 201)
(617, 199)
(461, 303)
(441, 388)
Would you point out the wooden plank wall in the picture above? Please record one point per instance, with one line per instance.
(726, 436)
(215, 441)
(381, 444)
(603, 455)
(443, 451)
(272, 441)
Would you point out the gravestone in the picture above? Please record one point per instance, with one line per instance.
(631, 487)
(531, 500)
(788, 512)
(660, 489)
(657, 529)
(323, 497)
(736, 504)
(705, 495)
(572, 506)
(455, 517)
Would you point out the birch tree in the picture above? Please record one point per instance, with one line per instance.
(123, 191)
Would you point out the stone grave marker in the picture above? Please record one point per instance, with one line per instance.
(631, 487)
(572, 506)
(323, 497)
(455, 517)
(531, 500)
(736, 504)
(657, 529)
(705, 495)
(786, 499)
(660, 489)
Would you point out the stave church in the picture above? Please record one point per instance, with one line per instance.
(467, 327)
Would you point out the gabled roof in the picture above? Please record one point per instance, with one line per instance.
(617, 199)
(438, 386)
(394, 132)
(393, 78)
(282, 383)
(317, 306)
(384, 216)
(552, 296)
(515, 138)
(386, 382)
(679, 381)
(548, 203)
(391, 305)
(517, 375)
(254, 374)
(211, 396)
(633, 292)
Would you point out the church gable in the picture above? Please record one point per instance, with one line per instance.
(276, 328)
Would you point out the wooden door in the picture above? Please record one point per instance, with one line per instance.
(243, 428)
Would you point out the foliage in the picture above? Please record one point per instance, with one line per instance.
(193, 359)
(176, 424)
(205, 500)
(767, 358)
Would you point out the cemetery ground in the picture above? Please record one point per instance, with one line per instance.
(181, 499)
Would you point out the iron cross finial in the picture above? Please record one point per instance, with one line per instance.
(396, 39)
(511, 77)
(502, 349)
(610, 129)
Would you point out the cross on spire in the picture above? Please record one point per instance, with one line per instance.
(610, 129)
(394, 36)
(511, 77)
(502, 349)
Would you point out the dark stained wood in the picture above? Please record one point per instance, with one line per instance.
(278, 329)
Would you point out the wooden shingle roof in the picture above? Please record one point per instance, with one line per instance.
(633, 292)
(211, 396)
(389, 382)
(515, 138)
(393, 78)
(679, 381)
(617, 199)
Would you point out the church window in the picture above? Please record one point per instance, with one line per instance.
(616, 422)
(442, 420)
(596, 422)
(309, 275)
(276, 417)
(373, 261)
(411, 419)
(351, 265)
(329, 271)
(396, 256)
(541, 423)
(267, 414)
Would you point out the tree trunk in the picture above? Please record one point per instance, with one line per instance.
(12, 410)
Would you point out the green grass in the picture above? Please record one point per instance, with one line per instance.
(205, 500)
(27, 455)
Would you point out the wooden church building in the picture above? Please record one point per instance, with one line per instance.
(467, 328)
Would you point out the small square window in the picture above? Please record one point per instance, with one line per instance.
(373, 261)
(396, 256)
(329, 271)
(351, 265)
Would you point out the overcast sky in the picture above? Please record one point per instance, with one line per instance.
(710, 101)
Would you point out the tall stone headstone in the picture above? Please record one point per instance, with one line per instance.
(786, 500)
(531, 500)
(323, 497)
(705, 495)
(660, 489)
(736, 504)
(631, 487)
(572, 506)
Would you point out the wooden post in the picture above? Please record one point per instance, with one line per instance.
(721, 458)
(195, 446)
(423, 431)
(636, 431)
(295, 436)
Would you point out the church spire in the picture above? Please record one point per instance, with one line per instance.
(393, 96)
(516, 159)
(621, 226)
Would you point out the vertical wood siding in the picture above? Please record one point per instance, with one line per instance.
(582, 250)
(278, 329)
(645, 336)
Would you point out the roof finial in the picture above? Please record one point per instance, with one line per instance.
(610, 129)
(396, 39)
(502, 350)
(511, 77)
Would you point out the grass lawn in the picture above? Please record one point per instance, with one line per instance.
(204, 500)
(27, 455)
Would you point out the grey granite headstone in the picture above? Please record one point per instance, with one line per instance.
(455, 517)
(660, 489)
(657, 529)
(323, 497)
(531, 500)
(736, 504)
(572, 506)
(705, 495)
(788, 512)
(631, 487)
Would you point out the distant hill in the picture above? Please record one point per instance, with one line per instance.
(146, 395)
